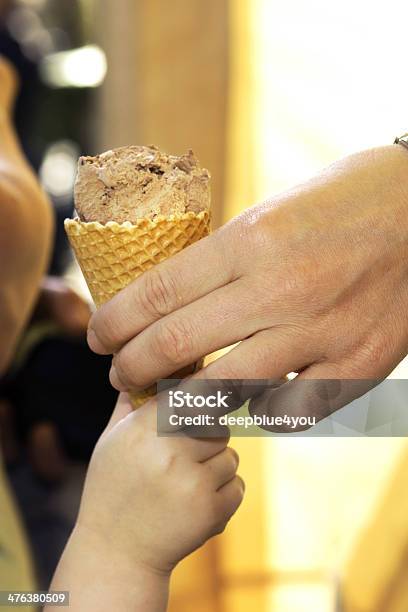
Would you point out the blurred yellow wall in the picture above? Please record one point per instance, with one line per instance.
(314, 83)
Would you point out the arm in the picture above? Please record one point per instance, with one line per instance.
(99, 578)
(148, 502)
(25, 226)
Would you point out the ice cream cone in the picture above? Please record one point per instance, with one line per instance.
(113, 255)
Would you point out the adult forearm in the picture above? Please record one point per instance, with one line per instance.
(99, 580)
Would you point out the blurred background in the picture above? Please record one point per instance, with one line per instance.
(266, 92)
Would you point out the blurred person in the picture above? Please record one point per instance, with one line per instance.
(319, 289)
(25, 226)
(25, 239)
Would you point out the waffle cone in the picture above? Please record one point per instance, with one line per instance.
(113, 255)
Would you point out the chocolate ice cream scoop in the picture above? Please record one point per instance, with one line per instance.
(139, 182)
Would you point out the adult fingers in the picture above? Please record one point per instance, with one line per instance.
(269, 354)
(216, 397)
(317, 392)
(168, 286)
(241, 374)
(224, 385)
(218, 319)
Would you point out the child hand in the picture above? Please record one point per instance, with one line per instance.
(157, 499)
(148, 502)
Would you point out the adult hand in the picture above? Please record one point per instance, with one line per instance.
(314, 280)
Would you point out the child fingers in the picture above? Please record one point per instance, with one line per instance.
(230, 497)
(222, 467)
(199, 450)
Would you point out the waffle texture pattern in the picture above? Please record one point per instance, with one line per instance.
(113, 255)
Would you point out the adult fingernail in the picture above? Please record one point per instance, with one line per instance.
(116, 381)
(94, 343)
